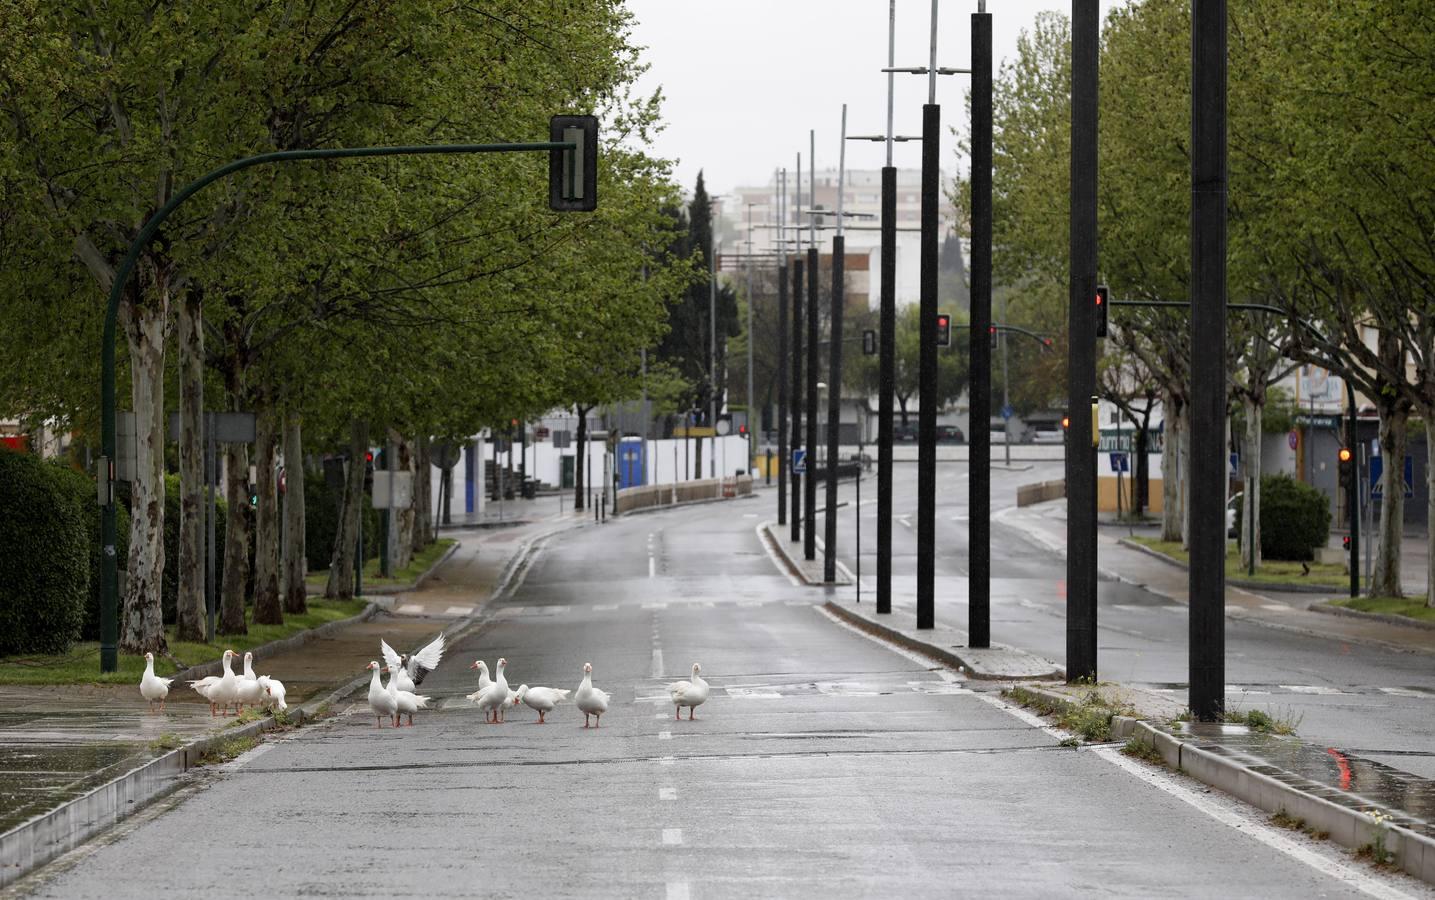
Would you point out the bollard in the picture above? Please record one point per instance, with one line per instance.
(603, 505)
(593, 505)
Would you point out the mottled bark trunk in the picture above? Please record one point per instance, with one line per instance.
(423, 495)
(1171, 470)
(1183, 465)
(1251, 501)
(293, 559)
(190, 613)
(341, 566)
(142, 625)
(236, 541)
(1429, 508)
(404, 516)
(1394, 415)
(267, 607)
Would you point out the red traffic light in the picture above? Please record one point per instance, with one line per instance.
(742, 429)
(944, 330)
(369, 456)
(1345, 542)
(1345, 454)
(1103, 294)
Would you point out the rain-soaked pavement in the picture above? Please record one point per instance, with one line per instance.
(823, 765)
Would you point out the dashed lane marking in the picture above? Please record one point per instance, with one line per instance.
(459, 611)
(677, 890)
(657, 662)
(666, 760)
(672, 837)
(655, 606)
(667, 793)
(605, 607)
(665, 735)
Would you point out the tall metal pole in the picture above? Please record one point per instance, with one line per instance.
(211, 475)
(798, 366)
(1352, 499)
(751, 437)
(886, 346)
(782, 423)
(834, 372)
(1081, 365)
(979, 470)
(1208, 370)
(712, 333)
(809, 500)
(927, 411)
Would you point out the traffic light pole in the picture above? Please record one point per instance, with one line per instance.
(797, 382)
(570, 169)
(1081, 366)
(809, 500)
(781, 377)
(1353, 499)
(927, 404)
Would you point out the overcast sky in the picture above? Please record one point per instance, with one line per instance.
(744, 80)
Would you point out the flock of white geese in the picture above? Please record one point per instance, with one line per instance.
(400, 699)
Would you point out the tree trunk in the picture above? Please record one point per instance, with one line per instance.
(341, 566)
(293, 560)
(902, 405)
(142, 626)
(1429, 416)
(580, 461)
(1143, 465)
(190, 573)
(1170, 471)
(1183, 465)
(236, 541)
(267, 607)
(423, 495)
(1394, 414)
(1251, 502)
(403, 551)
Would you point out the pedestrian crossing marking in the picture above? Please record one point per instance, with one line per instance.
(459, 611)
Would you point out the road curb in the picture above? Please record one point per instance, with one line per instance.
(292, 642)
(34, 843)
(793, 566)
(1280, 587)
(1275, 790)
(1387, 618)
(681, 505)
(944, 655)
(389, 590)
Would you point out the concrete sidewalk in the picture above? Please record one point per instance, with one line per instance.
(72, 744)
(1045, 525)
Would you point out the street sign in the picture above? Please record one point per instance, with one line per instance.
(393, 490)
(1007, 411)
(1293, 438)
(445, 455)
(724, 425)
(1120, 462)
(125, 449)
(229, 427)
(799, 462)
(562, 439)
(1376, 467)
(1235, 464)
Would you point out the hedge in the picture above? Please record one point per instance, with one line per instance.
(1295, 519)
(44, 560)
(321, 522)
(82, 488)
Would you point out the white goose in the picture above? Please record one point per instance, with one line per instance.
(413, 666)
(153, 688)
(495, 697)
(273, 693)
(220, 690)
(542, 699)
(407, 702)
(691, 694)
(591, 700)
(381, 702)
(250, 693)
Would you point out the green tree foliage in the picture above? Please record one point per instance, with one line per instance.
(860, 373)
(81, 488)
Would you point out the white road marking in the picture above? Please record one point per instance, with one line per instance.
(667, 793)
(677, 890)
(797, 603)
(1178, 610)
(672, 837)
(960, 518)
(657, 662)
(1407, 692)
(661, 716)
(655, 606)
(1319, 689)
(905, 520)
(665, 735)
(459, 611)
(1267, 834)
(749, 515)
(1130, 607)
(652, 567)
(666, 760)
(410, 608)
(605, 607)
(749, 603)
(748, 694)
(1276, 607)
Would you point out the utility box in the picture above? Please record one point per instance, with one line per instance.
(568, 466)
(632, 471)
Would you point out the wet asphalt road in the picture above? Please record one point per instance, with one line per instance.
(1361, 697)
(825, 765)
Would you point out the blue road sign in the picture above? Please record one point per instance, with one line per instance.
(799, 462)
(1007, 411)
(1120, 462)
(1376, 493)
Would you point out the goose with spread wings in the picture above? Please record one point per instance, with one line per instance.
(410, 668)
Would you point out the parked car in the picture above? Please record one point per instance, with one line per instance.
(950, 434)
(1047, 434)
(902, 432)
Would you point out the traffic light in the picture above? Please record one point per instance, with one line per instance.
(1345, 543)
(369, 470)
(1347, 465)
(992, 330)
(869, 343)
(944, 330)
(573, 174)
(1103, 300)
(254, 495)
(1065, 422)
